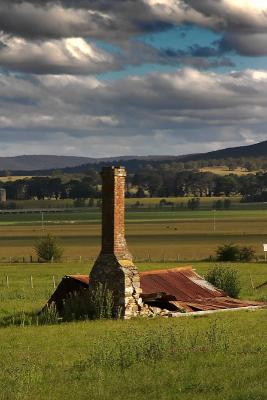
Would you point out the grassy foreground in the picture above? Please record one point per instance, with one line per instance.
(222, 356)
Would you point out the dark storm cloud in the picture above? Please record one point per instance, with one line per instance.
(106, 20)
(253, 45)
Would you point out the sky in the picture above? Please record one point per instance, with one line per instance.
(101, 78)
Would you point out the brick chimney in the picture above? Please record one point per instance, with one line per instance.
(114, 267)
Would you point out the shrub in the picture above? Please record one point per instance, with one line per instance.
(99, 304)
(232, 252)
(47, 248)
(228, 252)
(225, 279)
(246, 253)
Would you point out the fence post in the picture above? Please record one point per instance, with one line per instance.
(251, 281)
(31, 282)
(7, 281)
(54, 282)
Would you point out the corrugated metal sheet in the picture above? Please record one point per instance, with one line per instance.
(183, 283)
(187, 291)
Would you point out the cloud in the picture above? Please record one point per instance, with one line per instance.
(233, 15)
(242, 24)
(51, 20)
(253, 45)
(172, 113)
(77, 56)
(69, 56)
(116, 18)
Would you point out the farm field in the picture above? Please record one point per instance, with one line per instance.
(156, 235)
(129, 202)
(220, 356)
(223, 170)
(13, 178)
(144, 204)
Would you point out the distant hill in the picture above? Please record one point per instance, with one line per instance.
(254, 150)
(42, 162)
(28, 163)
(35, 164)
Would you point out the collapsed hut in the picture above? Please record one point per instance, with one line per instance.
(160, 292)
(166, 292)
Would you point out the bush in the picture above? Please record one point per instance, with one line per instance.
(232, 252)
(47, 248)
(247, 253)
(228, 252)
(99, 304)
(225, 279)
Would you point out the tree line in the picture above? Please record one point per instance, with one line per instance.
(161, 182)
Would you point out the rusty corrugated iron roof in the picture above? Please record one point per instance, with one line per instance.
(183, 283)
(174, 289)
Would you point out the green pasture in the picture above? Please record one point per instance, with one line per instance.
(220, 356)
(152, 235)
(147, 202)
(142, 215)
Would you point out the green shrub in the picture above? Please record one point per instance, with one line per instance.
(246, 253)
(224, 278)
(99, 304)
(232, 252)
(47, 248)
(228, 252)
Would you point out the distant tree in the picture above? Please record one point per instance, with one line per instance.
(193, 204)
(81, 190)
(47, 248)
(227, 204)
(217, 205)
(140, 193)
(91, 202)
(228, 252)
(226, 185)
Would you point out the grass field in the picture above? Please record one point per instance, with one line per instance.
(144, 204)
(14, 178)
(220, 356)
(223, 170)
(156, 234)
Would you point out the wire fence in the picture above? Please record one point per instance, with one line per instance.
(91, 258)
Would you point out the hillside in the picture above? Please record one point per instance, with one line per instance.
(254, 150)
(42, 162)
(48, 163)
